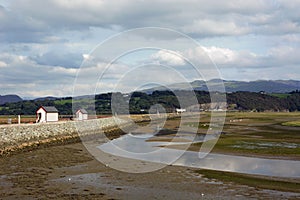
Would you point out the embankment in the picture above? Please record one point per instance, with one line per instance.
(21, 137)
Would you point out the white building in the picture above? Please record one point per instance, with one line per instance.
(82, 114)
(180, 110)
(47, 114)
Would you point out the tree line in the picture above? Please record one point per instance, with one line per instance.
(140, 102)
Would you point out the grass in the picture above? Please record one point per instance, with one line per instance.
(252, 146)
(62, 101)
(252, 181)
(280, 95)
(259, 134)
(14, 119)
(253, 138)
(195, 124)
(70, 101)
(291, 123)
(262, 114)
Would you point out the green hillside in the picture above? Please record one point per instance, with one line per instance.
(140, 102)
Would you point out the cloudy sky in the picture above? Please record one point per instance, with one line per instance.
(44, 43)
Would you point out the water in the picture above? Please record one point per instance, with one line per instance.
(139, 147)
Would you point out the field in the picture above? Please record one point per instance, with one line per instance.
(262, 135)
(257, 134)
(292, 123)
(30, 119)
(13, 119)
(259, 182)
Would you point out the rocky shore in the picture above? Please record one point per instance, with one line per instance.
(29, 136)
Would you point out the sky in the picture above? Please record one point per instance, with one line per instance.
(56, 47)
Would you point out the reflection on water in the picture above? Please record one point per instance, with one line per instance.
(265, 145)
(242, 164)
(137, 146)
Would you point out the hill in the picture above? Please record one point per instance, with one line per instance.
(272, 86)
(46, 98)
(268, 86)
(10, 99)
(140, 102)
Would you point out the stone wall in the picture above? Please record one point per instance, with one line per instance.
(15, 137)
(19, 136)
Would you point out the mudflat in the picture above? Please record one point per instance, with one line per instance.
(66, 170)
(70, 172)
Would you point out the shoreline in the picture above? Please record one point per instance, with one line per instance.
(69, 171)
(16, 138)
(75, 172)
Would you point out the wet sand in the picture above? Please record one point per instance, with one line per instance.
(70, 172)
(67, 171)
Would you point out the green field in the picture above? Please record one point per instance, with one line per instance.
(259, 134)
(258, 182)
(272, 135)
(292, 123)
(280, 95)
(268, 135)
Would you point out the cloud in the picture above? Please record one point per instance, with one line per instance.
(43, 43)
(26, 76)
(207, 56)
(56, 58)
(2, 64)
(16, 27)
(215, 27)
(225, 58)
(168, 58)
(86, 56)
(40, 21)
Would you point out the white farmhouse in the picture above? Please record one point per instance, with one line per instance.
(81, 114)
(47, 114)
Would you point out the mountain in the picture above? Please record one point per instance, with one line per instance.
(268, 86)
(49, 98)
(276, 86)
(10, 99)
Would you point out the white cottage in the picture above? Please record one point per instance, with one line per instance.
(47, 114)
(81, 114)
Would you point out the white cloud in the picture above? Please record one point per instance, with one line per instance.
(209, 55)
(3, 64)
(48, 40)
(22, 72)
(225, 58)
(231, 58)
(86, 56)
(215, 27)
(65, 71)
(199, 18)
(168, 58)
(283, 56)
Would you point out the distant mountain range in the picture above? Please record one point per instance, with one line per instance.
(9, 99)
(270, 86)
